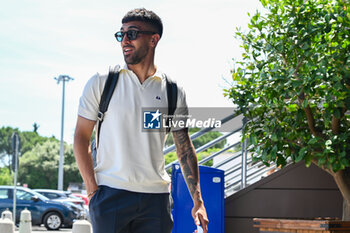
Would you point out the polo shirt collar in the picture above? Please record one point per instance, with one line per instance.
(157, 75)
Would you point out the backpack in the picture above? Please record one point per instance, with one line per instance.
(106, 97)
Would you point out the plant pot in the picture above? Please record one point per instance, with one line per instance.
(301, 226)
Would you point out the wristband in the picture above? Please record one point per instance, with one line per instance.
(92, 193)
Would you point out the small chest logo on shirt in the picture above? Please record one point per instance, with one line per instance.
(158, 97)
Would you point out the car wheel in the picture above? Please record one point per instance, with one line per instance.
(52, 221)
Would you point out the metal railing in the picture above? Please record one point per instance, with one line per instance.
(240, 170)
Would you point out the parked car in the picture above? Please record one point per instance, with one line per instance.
(53, 215)
(82, 197)
(61, 196)
(66, 198)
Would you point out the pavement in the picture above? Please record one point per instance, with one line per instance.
(42, 229)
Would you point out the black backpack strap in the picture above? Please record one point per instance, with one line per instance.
(106, 97)
(171, 87)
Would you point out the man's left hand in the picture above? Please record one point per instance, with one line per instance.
(199, 215)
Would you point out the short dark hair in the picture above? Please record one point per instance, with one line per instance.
(143, 15)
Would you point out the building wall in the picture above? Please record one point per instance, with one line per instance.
(293, 192)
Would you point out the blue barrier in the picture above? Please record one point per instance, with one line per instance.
(212, 187)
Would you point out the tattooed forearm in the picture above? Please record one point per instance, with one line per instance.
(188, 162)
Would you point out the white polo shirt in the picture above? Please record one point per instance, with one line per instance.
(129, 157)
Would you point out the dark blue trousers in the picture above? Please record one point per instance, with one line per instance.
(120, 211)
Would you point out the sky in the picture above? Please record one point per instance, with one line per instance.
(42, 39)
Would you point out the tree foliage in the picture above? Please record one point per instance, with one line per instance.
(39, 167)
(27, 141)
(6, 178)
(38, 162)
(5, 144)
(293, 83)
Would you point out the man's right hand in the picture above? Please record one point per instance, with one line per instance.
(82, 152)
(92, 193)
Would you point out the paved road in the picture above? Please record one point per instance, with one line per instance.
(43, 230)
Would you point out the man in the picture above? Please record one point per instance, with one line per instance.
(128, 188)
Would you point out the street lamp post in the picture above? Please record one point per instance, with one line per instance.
(64, 79)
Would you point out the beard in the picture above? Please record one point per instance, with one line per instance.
(137, 56)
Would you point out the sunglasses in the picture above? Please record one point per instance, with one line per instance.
(131, 34)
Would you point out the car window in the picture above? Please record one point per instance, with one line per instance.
(23, 195)
(42, 197)
(4, 194)
(45, 194)
(52, 195)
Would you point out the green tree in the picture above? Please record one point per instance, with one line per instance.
(293, 85)
(35, 127)
(27, 141)
(170, 157)
(39, 167)
(31, 139)
(5, 145)
(5, 176)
